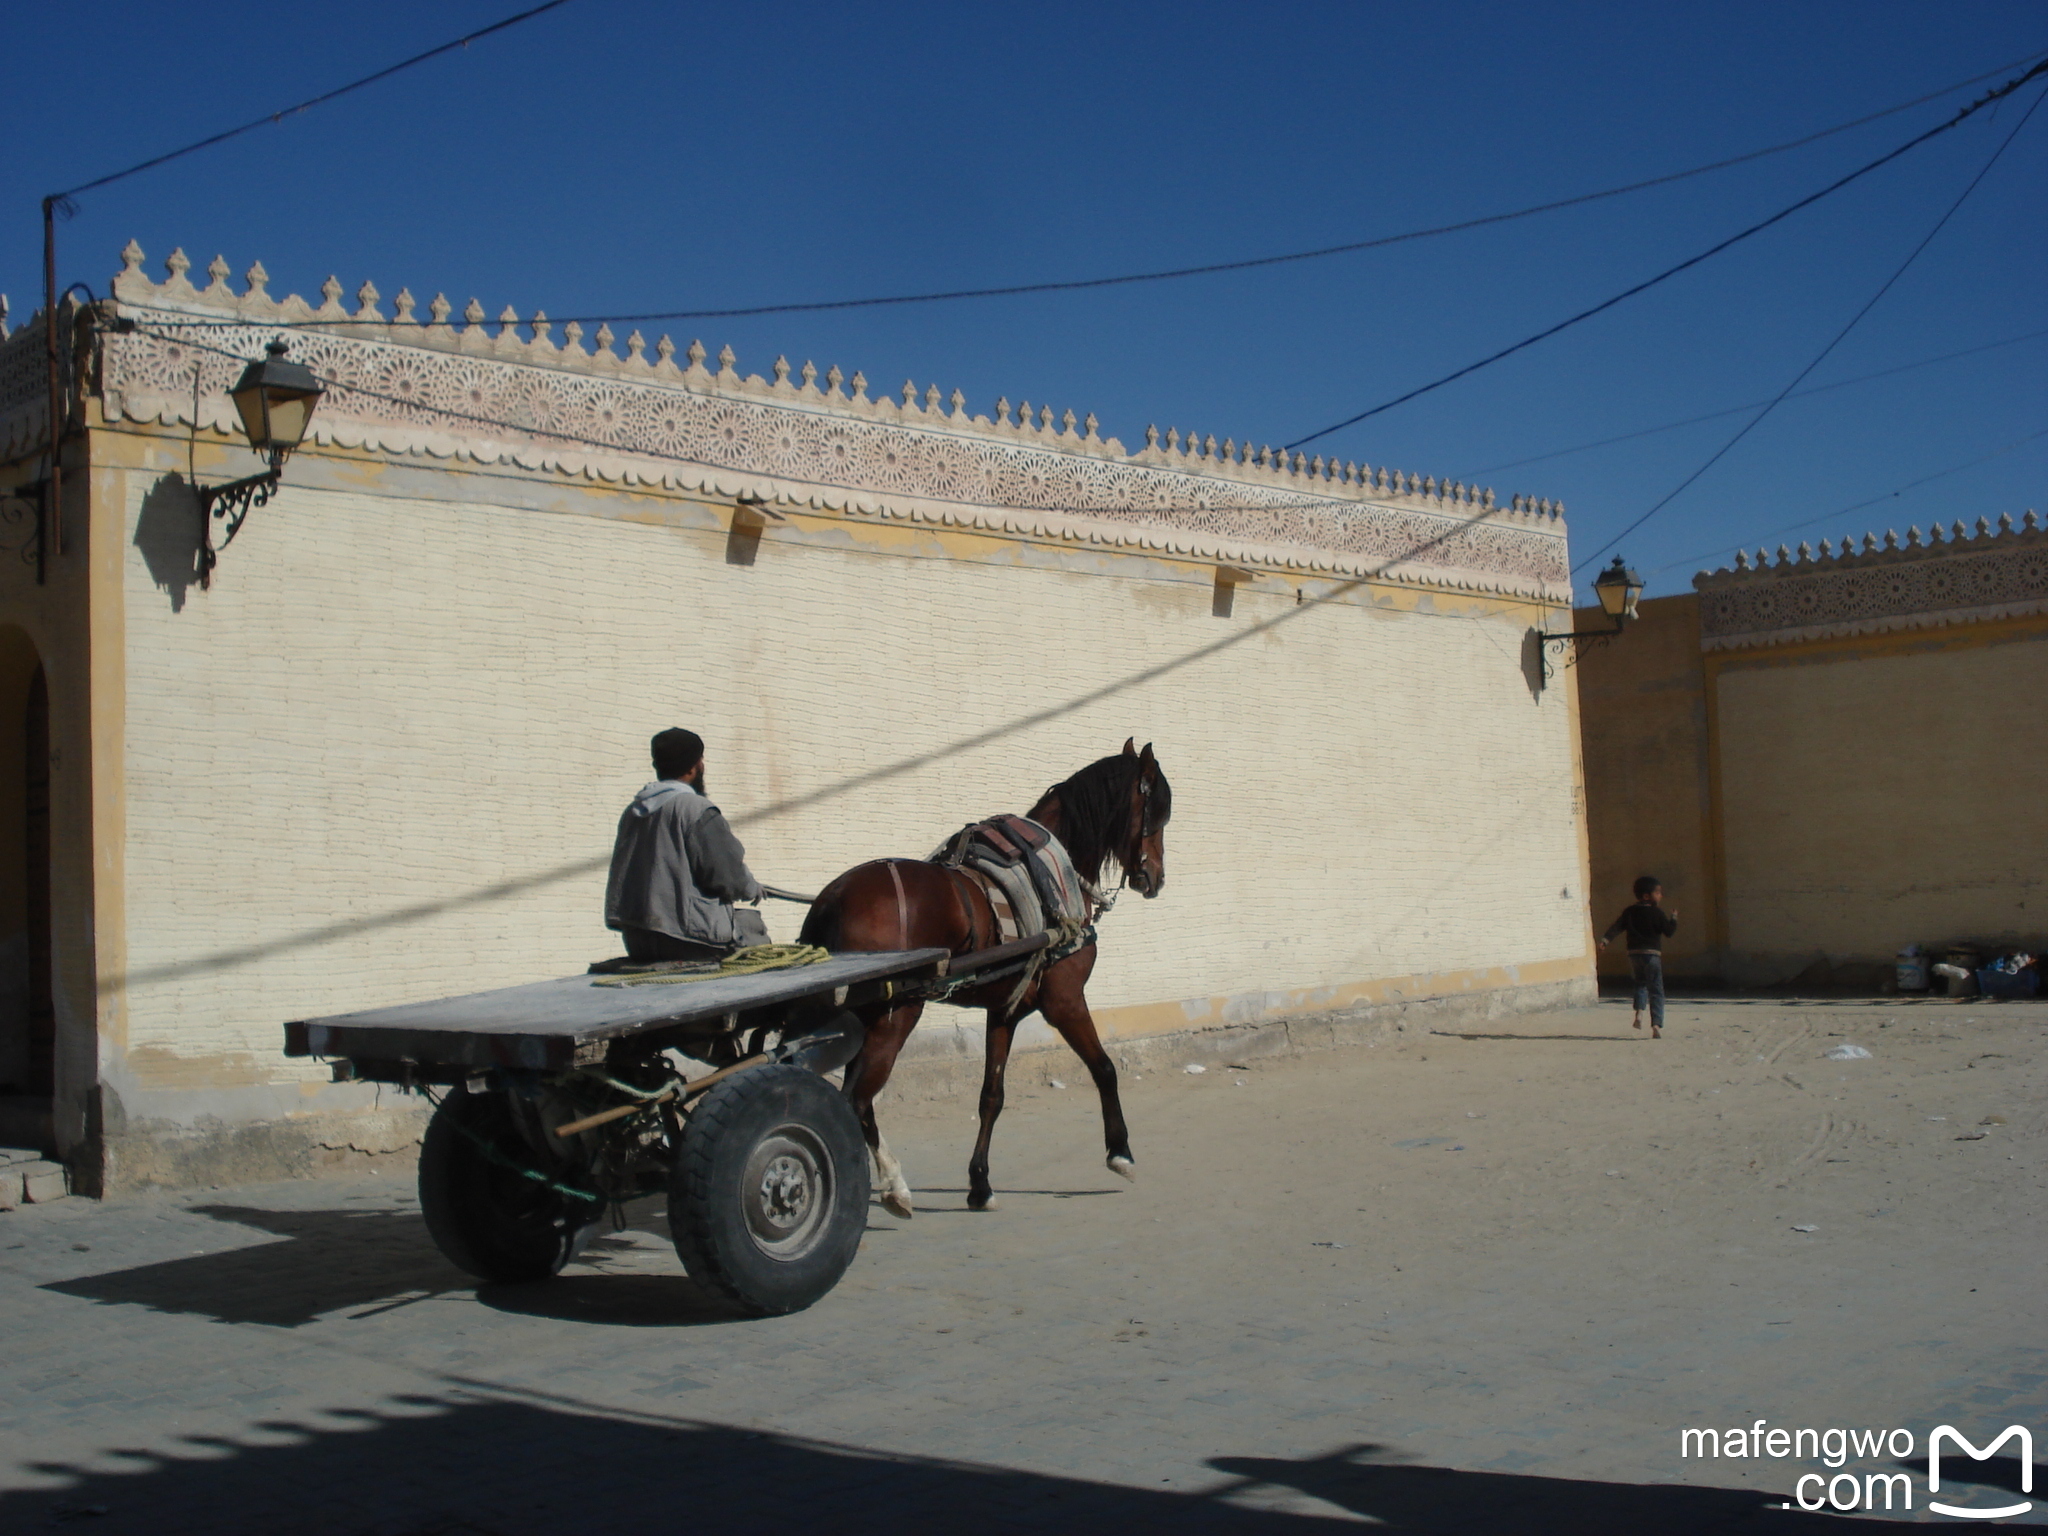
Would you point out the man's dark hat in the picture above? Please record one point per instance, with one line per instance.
(677, 748)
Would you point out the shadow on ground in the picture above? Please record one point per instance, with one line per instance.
(483, 1463)
(330, 1260)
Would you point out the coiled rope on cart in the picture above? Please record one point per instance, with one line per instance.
(741, 962)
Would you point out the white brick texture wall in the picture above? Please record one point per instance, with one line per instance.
(382, 758)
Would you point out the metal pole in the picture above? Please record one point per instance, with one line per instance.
(52, 513)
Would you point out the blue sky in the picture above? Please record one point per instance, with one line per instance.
(623, 156)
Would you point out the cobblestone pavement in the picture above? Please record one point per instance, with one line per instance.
(1460, 1282)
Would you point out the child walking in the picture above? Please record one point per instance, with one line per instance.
(1647, 925)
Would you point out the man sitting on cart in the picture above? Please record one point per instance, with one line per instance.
(677, 869)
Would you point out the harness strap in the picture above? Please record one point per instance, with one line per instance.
(902, 909)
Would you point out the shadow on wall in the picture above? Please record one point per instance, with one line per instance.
(484, 1462)
(170, 533)
(1532, 663)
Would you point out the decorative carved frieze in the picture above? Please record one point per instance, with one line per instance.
(1933, 580)
(428, 387)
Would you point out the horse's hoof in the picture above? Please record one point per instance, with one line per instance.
(991, 1203)
(898, 1204)
(1123, 1168)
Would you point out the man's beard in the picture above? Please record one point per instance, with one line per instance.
(698, 783)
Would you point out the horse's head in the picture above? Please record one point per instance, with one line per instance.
(1142, 848)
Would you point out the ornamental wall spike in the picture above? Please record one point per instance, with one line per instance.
(810, 376)
(473, 316)
(1805, 552)
(3, 317)
(366, 302)
(132, 257)
(330, 296)
(1933, 534)
(636, 351)
(1891, 538)
(1486, 498)
(178, 263)
(1741, 560)
(1960, 533)
(258, 281)
(402, 308)
(1784, 555)
(665, 350)
(1827, 550)
(218, 269)
(1983, 528)
(1173, 439)
(780, 370)
(2004, 524)
(2028, 522)
(1559, 513)
(1003, 414)
(931, 401)
(541, 326)
(727, 358)
(440, 309)
(1045, 418)
(909, 395)
(572, 339)
(1913, 536)
(695, 355)
(959, 404)
(860, 387)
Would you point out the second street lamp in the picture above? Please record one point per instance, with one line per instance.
(1617, 588)
(275, 398)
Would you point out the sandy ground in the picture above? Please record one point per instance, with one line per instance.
(1462, 1281)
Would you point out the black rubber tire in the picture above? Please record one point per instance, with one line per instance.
(769, 1195)
(487, 1218)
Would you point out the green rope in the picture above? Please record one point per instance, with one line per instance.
(741, 962)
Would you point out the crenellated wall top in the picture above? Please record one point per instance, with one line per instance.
(1945, 576)
(546, 398)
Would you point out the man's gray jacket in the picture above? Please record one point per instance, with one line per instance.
(677, 868)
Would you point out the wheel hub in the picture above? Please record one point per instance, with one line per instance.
(786, 1190)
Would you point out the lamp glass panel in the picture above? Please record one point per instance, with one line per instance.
(289, 413)
(249, 405)
(1614, 597)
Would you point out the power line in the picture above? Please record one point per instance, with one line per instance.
(1737, 410)
(1251, 263)
(1670, 272)
(1828, 517)
(62, 198)
(1854, 320)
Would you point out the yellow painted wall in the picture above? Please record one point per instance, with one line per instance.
(1642, 701)
(1883, 790)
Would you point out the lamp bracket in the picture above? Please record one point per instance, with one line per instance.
(1566, 643)
(231, 505)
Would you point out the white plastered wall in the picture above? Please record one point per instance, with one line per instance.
(382, 758)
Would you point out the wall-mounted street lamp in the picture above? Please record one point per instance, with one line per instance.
(1617, 588)
(275, 400)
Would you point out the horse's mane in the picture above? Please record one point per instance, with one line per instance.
(1093, 805)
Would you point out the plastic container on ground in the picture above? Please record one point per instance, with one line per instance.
(1969, 958)
(1912, 969)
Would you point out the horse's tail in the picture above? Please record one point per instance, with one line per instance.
(822, 922)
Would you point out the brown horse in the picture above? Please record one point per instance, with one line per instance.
(1116, 808)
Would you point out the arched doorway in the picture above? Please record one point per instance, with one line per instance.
(28, 1033)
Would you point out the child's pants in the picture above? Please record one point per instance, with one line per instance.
(1648, 966)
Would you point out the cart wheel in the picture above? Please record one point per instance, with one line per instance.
(486, 1216)
(769, 1195)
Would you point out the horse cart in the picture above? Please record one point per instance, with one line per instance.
(557, 1102)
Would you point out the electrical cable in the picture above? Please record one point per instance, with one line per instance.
(1854, 320)
(1737, 410)
(1670, 272)
(1250, 263)
(62, 199)
(1828, 517)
